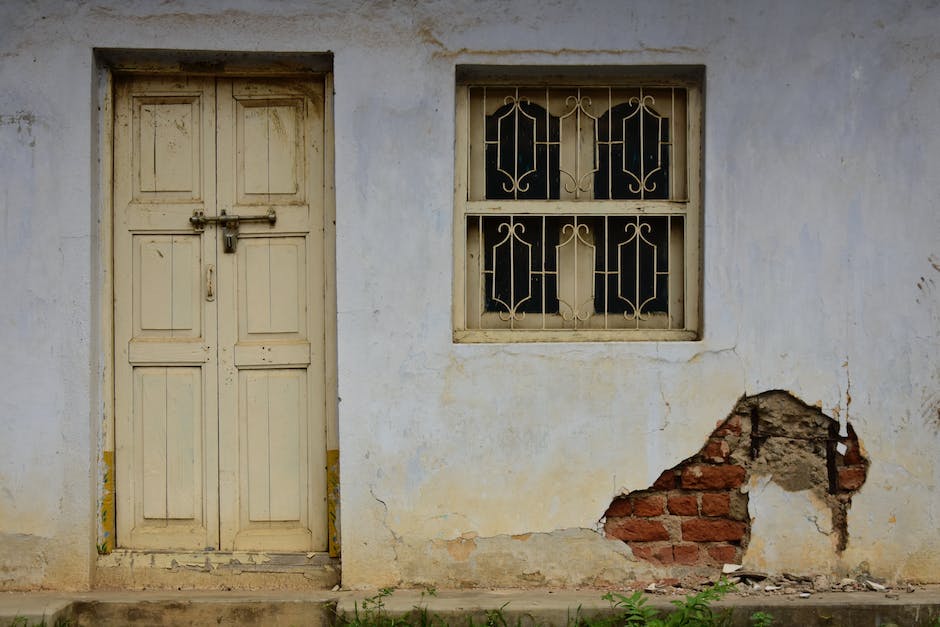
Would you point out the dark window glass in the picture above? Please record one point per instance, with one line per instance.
(519, 264)
(637, 265)
(522, 153)
(633, 154)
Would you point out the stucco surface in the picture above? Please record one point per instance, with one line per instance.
(821, 268)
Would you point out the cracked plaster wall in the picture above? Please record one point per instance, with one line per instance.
(820, 276)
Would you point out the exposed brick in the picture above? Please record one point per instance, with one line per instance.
(637, 530)
(646, 506)
(731, 426)
(853, 454)
(620, 507)
(685, 553)
(666, 481)
(713, 530)
(664, 555)
(851, 477)
(716, 504)
(723, 553)
(701, 477)
(683, 505)
(642, 551)
(716, 451)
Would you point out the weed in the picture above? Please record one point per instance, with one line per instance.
(695, 610)
(22, 621)
(761, 619)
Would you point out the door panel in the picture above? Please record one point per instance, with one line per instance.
(167, 286)
(166, 422)
(220, 427)
(170, 415)
(272, 385)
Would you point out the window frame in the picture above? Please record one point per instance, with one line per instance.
(690, 78)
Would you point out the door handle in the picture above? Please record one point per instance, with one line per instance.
(229, 224)
(210, 282)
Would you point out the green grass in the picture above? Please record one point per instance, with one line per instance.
(695, 610)
(22, 621)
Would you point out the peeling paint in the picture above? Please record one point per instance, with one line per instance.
(568, 557)
(106, 513)
(332, 501)
(698, 514)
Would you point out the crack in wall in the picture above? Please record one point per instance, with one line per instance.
(396, 539)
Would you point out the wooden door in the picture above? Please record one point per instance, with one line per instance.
(219, 359)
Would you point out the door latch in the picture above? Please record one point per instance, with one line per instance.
(229, 224)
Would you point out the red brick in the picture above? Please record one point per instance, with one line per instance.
(723, 553)
(731, 426)
(716, 451)
(851, 477)
(636, 530)
(685, 553)
(619, 508)
(646, 506)
(716, 504)
(701, 477)
(683, 505)
(642, 551)
(663, 554)
(713, 530)
(853, 455)
(666, 481)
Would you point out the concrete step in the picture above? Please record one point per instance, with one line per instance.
(518, 608)
(561, 608)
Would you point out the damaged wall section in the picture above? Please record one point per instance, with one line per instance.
(696, 513)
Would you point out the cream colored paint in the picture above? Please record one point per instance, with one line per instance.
(819, 271)
(790, 531)
(220, 440)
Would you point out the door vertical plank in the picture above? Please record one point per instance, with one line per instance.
(287, 420)
(257, 418)
(282, 150)
(183, 424)
(184, 297)
(231, 434)
(153, 447)
(155, 283)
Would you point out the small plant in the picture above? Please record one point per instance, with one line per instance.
(761, 619)
(373, 614)
(693, 611)
(22, 621)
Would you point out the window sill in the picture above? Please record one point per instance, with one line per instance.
(515, 336)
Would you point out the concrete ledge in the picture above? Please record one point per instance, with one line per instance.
(215, 570)
(557, 608)
(35, 608)
(522, 608)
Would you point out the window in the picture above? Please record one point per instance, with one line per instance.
(578, 203)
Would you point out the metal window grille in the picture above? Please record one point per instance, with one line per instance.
(579, 212)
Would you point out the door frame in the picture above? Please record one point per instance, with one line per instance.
(108, 63)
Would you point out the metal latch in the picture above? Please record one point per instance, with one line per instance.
(229, 224)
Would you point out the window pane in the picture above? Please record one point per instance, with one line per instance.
(521, 152)
(633, 152)
(587, 271)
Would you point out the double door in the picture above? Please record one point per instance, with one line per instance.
(219, 327)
